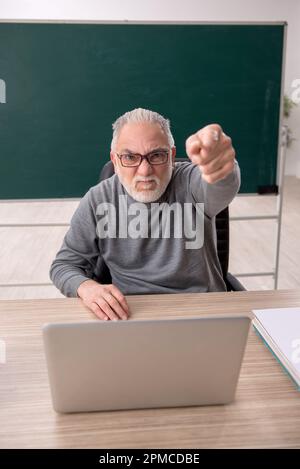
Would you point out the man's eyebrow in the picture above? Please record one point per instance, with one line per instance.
(127, 150)
(159, 149)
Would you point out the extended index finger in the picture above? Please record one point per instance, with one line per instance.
(209, 138)
(193, 145)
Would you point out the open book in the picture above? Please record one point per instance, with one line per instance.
(280, 329)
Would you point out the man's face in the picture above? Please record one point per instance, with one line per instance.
(145, 183)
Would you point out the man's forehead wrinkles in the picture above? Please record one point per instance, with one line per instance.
(138, 137)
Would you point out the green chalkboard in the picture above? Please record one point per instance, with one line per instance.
(66, 83)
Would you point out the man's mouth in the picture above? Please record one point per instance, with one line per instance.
(147, 184)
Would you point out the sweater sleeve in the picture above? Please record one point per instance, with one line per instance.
(215, 196)
(77, 257)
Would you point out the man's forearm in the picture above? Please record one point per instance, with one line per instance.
(67, 278)
(76, 260)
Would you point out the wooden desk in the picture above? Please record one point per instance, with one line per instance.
(266, 412)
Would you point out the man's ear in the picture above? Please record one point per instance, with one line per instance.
(173, 155)
(113, 158)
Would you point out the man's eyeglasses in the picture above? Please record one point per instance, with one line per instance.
(155, 157)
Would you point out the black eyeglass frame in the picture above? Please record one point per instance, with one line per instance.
(142, 157)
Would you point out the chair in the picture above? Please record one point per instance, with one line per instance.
(222, 229)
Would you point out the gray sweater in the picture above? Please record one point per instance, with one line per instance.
(141, 261)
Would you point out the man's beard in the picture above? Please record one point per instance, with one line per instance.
(147, 195)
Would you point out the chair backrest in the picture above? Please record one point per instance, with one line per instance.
(222, 223)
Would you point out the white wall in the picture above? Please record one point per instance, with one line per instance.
(180, 10)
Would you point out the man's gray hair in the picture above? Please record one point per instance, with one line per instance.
(141, 115)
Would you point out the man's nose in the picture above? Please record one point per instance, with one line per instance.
(145, 168)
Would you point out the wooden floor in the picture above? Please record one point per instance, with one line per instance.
(26, 252)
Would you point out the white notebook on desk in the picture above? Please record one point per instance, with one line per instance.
(280, 329)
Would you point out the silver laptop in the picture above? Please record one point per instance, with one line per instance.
(96, 366)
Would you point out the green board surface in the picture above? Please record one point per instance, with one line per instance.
(65, 84)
